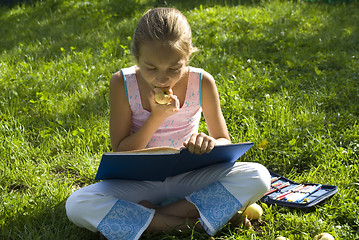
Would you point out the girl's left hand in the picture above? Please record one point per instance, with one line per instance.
(200, 143)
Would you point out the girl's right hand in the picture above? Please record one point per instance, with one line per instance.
(163, 111)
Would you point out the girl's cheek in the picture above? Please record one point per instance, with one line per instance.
(175, 75)
(149, 76)
(178, 74)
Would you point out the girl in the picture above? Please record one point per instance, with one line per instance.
(123, 209)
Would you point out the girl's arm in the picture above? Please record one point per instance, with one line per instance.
(120, 112)
(120, 118)
(216, 124)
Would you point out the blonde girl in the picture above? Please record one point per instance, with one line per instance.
(206, 198)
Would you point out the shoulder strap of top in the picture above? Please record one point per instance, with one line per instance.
(197, 73)
(131, 87)
(126, 72)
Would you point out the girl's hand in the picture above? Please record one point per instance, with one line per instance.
(200, 143)
(164, 110)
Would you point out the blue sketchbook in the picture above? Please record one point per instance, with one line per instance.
(155, 164)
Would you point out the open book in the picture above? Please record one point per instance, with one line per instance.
(155, 164)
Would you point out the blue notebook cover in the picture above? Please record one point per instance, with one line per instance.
(156, 165)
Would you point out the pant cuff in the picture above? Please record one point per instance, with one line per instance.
(125, 221)
(216, 206)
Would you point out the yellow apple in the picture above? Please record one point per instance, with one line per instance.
(253, 211)
(281, 238)
(324, 236)
(162, 96)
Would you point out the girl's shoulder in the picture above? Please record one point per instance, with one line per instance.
(117, 79)
(195, 69)
(129, 70)
(207, 81)
(119, 76)
(204, 74)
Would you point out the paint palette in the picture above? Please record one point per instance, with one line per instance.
(288, 193)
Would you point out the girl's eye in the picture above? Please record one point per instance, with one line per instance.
(175, 69)
(151, 68)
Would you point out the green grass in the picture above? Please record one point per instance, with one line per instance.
(287, 73)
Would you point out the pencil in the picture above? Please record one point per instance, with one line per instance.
(273, 179)
(276, 188)
(276, 184)
(295, 192)
(315, 188)
(282, 196)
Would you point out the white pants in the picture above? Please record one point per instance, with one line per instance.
(218, 192)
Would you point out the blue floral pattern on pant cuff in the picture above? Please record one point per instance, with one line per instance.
(216, 206)
(125, 221)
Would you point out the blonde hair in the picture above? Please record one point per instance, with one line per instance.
(166, 25)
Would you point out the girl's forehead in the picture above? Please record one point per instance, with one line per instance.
(158, 53)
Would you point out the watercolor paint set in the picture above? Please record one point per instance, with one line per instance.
(288, 193)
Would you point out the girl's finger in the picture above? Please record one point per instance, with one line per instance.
(210, 145)
(200, 141)
(175, 101)
(198, 145)
(191, 143)
(204, 146)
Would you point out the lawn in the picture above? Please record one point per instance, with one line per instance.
(288, 78)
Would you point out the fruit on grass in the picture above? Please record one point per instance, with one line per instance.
(324, 236)
(162, 96)
(253, 211)
(281, 238)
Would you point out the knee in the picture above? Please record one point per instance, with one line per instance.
(253, 177)
(82, 209)
(261, 178)
(86, 207)
(73, 207)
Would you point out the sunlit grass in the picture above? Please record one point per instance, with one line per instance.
(287, 73)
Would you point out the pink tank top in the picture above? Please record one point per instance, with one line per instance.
(177, 128)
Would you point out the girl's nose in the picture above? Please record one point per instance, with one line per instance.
(163, 78)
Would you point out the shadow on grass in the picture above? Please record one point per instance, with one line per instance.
(44, 223)
(11, 3)
(69, 24)
(52, 223)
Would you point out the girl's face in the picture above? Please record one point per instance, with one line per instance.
(161, 65)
